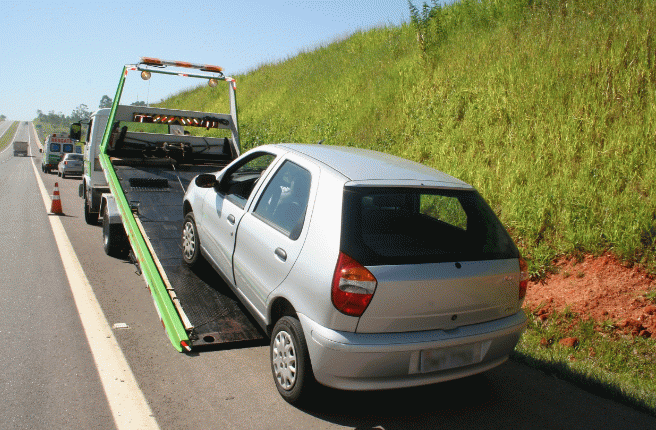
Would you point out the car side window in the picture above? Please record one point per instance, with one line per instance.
(284, 201)
(239, 184)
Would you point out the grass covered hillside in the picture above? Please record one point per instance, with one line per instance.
(547, 107)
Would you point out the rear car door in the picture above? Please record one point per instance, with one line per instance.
(272, 233)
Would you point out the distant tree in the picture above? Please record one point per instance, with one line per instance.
(80, 113)
(2, 117)
(105, 102)
(139, 103)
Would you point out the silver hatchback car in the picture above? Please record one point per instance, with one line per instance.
(367, 270)
(70, 164)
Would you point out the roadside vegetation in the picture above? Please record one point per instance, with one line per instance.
(545, 106)
(594, 355)
(47, 124)
(8, 137)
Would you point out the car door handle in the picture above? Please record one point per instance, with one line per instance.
(231, 219)
(281, 254)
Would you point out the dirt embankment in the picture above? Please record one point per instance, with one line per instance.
(601, 288)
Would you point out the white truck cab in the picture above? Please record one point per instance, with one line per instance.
(94, 183)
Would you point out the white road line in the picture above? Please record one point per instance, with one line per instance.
(126, 401)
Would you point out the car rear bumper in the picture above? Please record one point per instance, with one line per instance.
(357, 361)
(72, 172)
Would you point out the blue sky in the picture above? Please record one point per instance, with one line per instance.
(56, 55)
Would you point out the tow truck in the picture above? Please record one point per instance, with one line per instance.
(149, 155)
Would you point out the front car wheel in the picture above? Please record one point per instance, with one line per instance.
(190, 241)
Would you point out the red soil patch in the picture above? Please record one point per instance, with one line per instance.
(601, 288)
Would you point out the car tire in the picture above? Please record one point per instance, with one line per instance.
(190, 241)
(63, 175)
(290, 361)
(115, 241)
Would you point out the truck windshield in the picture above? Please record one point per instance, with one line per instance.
(55, 147)
(68, 148)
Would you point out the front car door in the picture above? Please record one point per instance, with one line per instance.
(272, 232)
(224, 208)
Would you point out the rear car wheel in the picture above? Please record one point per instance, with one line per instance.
(115, 241)
(290, 360)
(190, 241)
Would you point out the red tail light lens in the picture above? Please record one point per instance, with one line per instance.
(523, 278)
(353, 286)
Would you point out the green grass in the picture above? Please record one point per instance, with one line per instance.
(546, 109)
(605, 362)
(8, 137)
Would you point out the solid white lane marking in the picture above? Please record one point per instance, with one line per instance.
(126, 401)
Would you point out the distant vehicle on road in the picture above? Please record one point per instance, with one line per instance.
(71, 164)
(20, 148)
(54, 149)
(369, 271)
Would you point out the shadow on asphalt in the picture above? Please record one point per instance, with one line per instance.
(512, 396)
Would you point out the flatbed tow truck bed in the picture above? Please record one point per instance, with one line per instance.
(149, 155)
(155, 190)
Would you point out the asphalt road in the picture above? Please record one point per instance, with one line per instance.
(47, 369)
(214, 388)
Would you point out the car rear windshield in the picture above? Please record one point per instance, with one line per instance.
(383, 226)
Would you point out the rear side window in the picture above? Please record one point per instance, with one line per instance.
(411, 226)
(284, 201)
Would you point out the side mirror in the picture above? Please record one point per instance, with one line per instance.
(205, 180)
(75, 131)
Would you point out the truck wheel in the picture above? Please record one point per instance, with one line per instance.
(290, 361)
(190, 241)
(114, 238)
(90, 217)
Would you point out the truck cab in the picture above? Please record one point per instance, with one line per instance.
(94, 183)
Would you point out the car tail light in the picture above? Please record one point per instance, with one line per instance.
(523, 278)
(353, 286)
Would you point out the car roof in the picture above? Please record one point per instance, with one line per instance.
(367, 167)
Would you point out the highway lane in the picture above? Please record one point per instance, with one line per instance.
(48, 378)
(233, 388)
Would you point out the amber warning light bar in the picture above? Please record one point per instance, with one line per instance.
(150, 61)
(207, 121)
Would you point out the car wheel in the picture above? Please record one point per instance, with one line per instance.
(63, 175)
(290, 361)
(190, 241)
(114, 238)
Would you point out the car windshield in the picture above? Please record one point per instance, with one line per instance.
(411, 226)
(74, 157)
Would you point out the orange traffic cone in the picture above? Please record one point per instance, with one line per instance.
(56, 207)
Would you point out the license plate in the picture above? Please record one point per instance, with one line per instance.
(433, 360)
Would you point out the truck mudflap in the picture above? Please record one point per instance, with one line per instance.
(208, 310)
